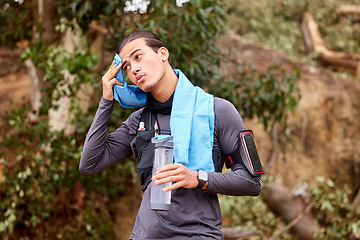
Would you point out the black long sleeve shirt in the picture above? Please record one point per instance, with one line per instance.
(194, 213)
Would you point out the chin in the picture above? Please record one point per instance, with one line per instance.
(148, 88)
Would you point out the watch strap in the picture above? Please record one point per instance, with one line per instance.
(200, 185)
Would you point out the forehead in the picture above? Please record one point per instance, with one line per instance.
(132, 46)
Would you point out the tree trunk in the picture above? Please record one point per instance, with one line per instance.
(290, 207)
(234, 233)
(348, 9)
(311, 33)
(45, 12)
(314, 43)
(35, 85)
(356, 202)
(48, 21)
(98, 43)
(1, 170)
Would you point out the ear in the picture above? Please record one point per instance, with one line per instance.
(164, 53)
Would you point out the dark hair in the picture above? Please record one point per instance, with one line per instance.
(151, 40)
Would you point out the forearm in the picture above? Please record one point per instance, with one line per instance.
(99, 152)
(238, 182)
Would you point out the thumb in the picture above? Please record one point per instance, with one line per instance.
(117, 82)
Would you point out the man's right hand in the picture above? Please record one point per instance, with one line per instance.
(109, 80)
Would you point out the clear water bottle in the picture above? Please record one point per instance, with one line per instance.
(160, 200)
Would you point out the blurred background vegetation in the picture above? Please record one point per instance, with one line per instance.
(277, 24)
(69, 45)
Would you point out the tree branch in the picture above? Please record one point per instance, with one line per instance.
(292, 223)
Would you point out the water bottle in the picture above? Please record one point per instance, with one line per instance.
(160, 200)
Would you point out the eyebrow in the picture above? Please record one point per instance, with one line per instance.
(131, 54)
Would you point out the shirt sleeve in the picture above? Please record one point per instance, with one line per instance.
(238, 182)
(100, 152)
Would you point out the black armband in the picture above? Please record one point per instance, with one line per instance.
(246, 153)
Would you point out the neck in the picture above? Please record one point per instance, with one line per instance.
(166, 86)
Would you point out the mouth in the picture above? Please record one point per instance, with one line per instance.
(139, 78)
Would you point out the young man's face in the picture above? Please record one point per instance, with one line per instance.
(144, 67)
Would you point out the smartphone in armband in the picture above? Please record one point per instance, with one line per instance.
(249, 154)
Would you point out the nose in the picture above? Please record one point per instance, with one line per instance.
(136, 69)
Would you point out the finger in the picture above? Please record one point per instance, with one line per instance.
(118, 66)
(118, 83)
(173, 186)
(113, 66)
(111, 73)
(115, 81)
(169, 167)
(114, 70)
(169, 179)
(168, 173)
(111, 83)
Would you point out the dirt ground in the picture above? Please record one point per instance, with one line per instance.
(324, 130)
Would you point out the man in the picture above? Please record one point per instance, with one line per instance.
(209, 131)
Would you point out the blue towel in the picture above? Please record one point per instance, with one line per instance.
(129, 96)
(191, 121)
(192, 125)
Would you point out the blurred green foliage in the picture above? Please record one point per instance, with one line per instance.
(269, 95)
(13, 15)
(41, 186)
(277, 23)
(253, 214)
(333, 211)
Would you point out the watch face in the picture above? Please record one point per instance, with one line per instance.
(203, 176)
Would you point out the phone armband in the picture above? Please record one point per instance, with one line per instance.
(247, 154)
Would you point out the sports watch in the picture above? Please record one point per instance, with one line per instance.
(203, 178)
